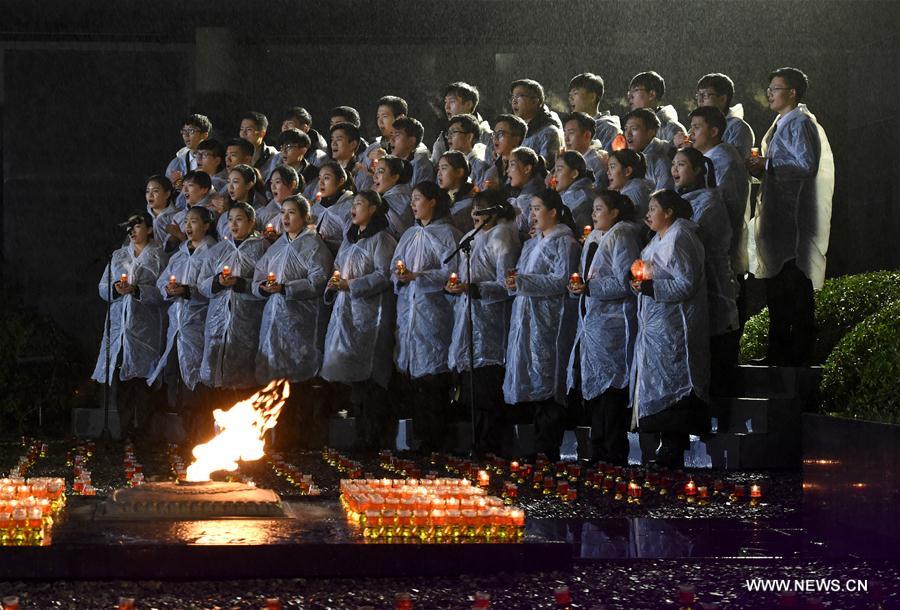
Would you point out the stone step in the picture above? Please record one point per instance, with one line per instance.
(757, 450)
(756, 414)
(751, 381)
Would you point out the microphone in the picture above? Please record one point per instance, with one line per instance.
(489, 211)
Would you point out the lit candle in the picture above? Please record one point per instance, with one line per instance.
(226, 271)
(587, 230)
(575, 279)
(270, 278)
(270, 228)
(511, 274)
(484, 479)
(401, 267)
(619, 143)
(755, 491)
(637, 270)
(754, 153)
(518, 517)
(454, 279)
(173, 280)
(123, 278)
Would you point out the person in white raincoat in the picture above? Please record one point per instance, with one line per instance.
(717, 91)
(159, 194)
(695, 179)
(543, 320)
(495, 248)
(789, 233)
(391, 181)
(135, 327)
(646, 91)
(575, 185)
(607, 325)
(625, 172)
(232, 320)
(670, 376)
(360, 337)
(525, 173)
(291, 277)
(453, 176)
(330, 211)
(283, 183)
(424, 312)
(641, 126)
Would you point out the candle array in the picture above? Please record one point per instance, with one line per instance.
(433, 510)
(78, 459)
(176, 462)
(27, 508)
(35, 449)
(134, 471)
(291, 474)
(351, 468)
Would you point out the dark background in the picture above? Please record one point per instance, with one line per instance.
(93, 96)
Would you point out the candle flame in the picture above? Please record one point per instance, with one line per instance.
(240, 432)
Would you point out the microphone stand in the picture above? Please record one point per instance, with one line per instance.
(465, 245)
(105, 434)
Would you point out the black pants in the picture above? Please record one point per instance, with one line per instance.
(489, 406)
(609, 417)
(690, 415)
(429, 398)
(723, 355)
(549, 427)
(792, 317)
(376, 423)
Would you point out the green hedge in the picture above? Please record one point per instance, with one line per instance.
(860, 377)
(38, 364)
(842, 303)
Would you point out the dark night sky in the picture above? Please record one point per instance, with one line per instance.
(92, 98)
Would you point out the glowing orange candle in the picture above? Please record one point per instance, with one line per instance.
(454, 279)
(336, 276)
(226, 271)
(123, 278)
(619, 143)
(575, 279)
(755, 491)
(638, 270)
(754, 153)
(401, 267)
(587, 230)
(270, 228)
(270, 278)
(690, 488)
(484, 479)
(173, 280)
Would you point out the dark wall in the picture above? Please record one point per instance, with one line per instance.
(92, 100)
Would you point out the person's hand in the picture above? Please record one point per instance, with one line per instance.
(457, 288)
(175, 231)
(123, 288)
(272, 288)
(405, 275)
(756, 166)
(510, 282)
(175, 290)
(636, 285)
(341, 284)
(227, 281)
(176, 179)
(217, 203)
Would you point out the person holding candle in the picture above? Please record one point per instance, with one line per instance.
(694, 177)
(283, 183)
(495, 249)
(670, 378)
(526, 173)
(626, 174)
(406, 143)
(574, 183)
(160, 196)
(607, 325)
(292, 332)
(179, 364)
(543, 320)
(453, 177)
(509, 132)
(134, 328)
(331, 210)
(242, 188)
(391, 181)
(195, 192)
(231, 335)
(424, 314)
(360, 337)
(790, 231)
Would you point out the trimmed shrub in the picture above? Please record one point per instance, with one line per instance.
(842, 303)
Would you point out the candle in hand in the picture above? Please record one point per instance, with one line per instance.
(336, 276)
(270, 228)
(226, 271)
(454, 279)
(401, 267)
(639, 270)
(270, 278)
(575, 279)
(123, 278)
(587, 230)
(173, 280)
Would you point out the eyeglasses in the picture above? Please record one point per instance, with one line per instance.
(705, 95)
(190, 131)
(499, 134)
(454, 132)
(774, 89)
(247, 130)
(203, 154)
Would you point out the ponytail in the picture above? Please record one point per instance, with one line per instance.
(629, 158)
(668, 199)
(701, 164)
(553, 201)
(527, 156)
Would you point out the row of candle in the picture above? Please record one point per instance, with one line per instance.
(134, 470)
(34, 450)
(176, 462)
(290, 473)
(81, 476)
(27, 508)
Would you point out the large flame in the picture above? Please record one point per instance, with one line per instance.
(240, 432)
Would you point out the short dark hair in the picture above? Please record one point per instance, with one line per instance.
(295, 136)
(467, 122)
(795, 78)
(199, 121)
(287, 174)
(532, 85)
(713, 117)
(259, 118)
(201, 179)
(301, 114)
(397, 105)
(348, 113)
(585, 122)
(338, 170)
(651, 81)
(214, 146)
(517, 126)
(249, 173)
(494, 198)
(161, 180)
(635, 160)
(350, 129)
(241, 143)
(645, 115)
(720, 83)
(527, 156)
(398, 167)
(464, 91)
(301, 202)
(589, 82)
(411, 127)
